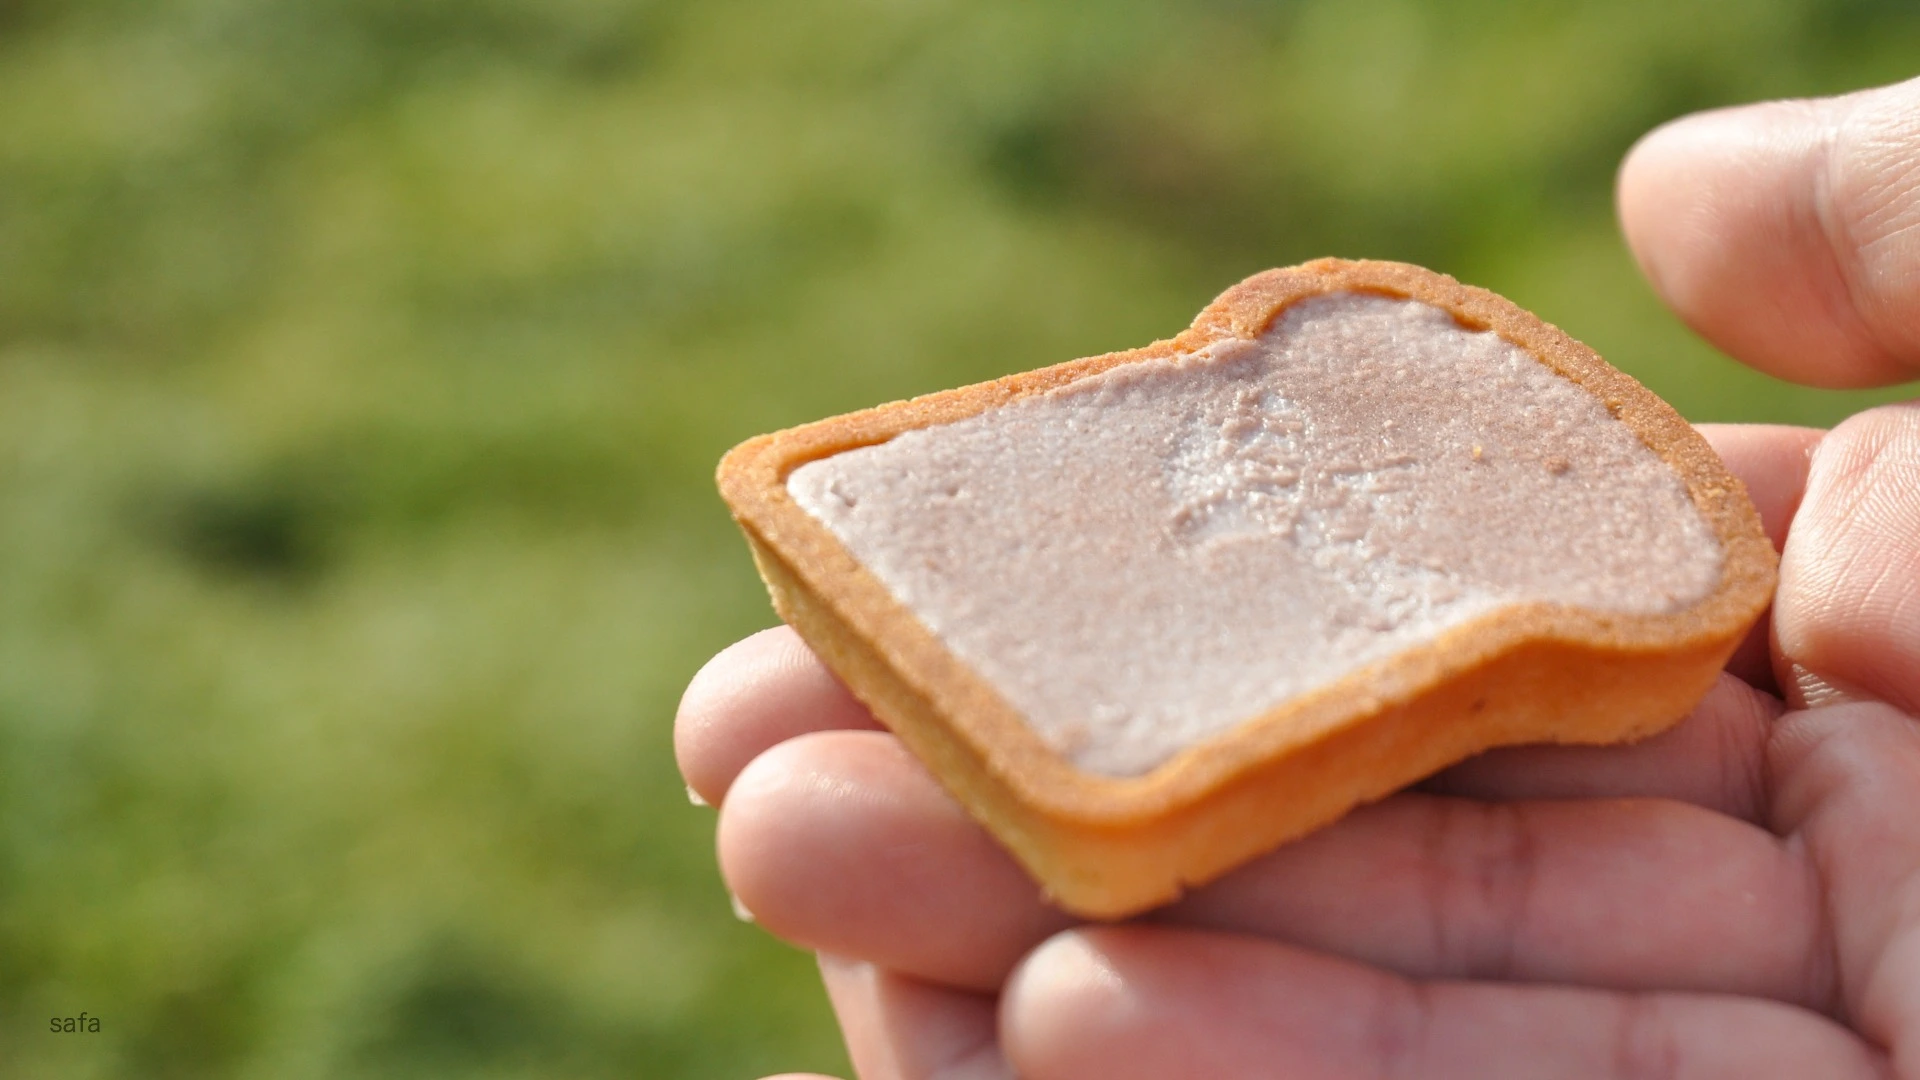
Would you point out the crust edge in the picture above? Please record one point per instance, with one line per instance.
(1107, 846)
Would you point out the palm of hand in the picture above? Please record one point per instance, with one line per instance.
(1739, 897)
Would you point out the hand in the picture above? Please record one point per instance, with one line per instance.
(1739, 897)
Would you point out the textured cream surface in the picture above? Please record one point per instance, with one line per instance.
(1147, 557)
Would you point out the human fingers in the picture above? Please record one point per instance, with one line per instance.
(757, 692)
(1715, 758)
(898, 1028)
(1115, 1003)
(1849, 790)
(1847, 615)
(1622, 894)
(1788, 233)
(1772, 461)
(840, 842)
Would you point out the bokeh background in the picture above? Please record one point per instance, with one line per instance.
(363, 366)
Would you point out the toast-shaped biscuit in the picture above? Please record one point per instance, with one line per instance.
(1150, 614)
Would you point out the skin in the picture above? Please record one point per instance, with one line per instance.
(1739, 897)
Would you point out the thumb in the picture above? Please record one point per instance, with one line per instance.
(1788, 233)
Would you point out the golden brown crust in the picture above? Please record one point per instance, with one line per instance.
(1108, 846)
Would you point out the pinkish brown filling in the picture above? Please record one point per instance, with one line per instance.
(1145, 558)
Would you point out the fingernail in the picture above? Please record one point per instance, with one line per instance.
(694, 797)
(739, 909)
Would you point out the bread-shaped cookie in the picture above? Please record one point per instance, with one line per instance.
(1150, 614)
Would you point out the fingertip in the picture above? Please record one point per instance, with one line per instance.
(1678, 198)
(700, 720)
(1065, 998)
(840, 841)
(782, 811)
(1782, 232)
(754, 694)
(1066, 965)
(1647, 205)
(1719, 211)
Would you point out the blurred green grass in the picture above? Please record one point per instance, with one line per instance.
(363, 365)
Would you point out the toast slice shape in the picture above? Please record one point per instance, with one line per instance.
(1150, 614)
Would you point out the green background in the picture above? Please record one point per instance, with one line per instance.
(363, 366)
